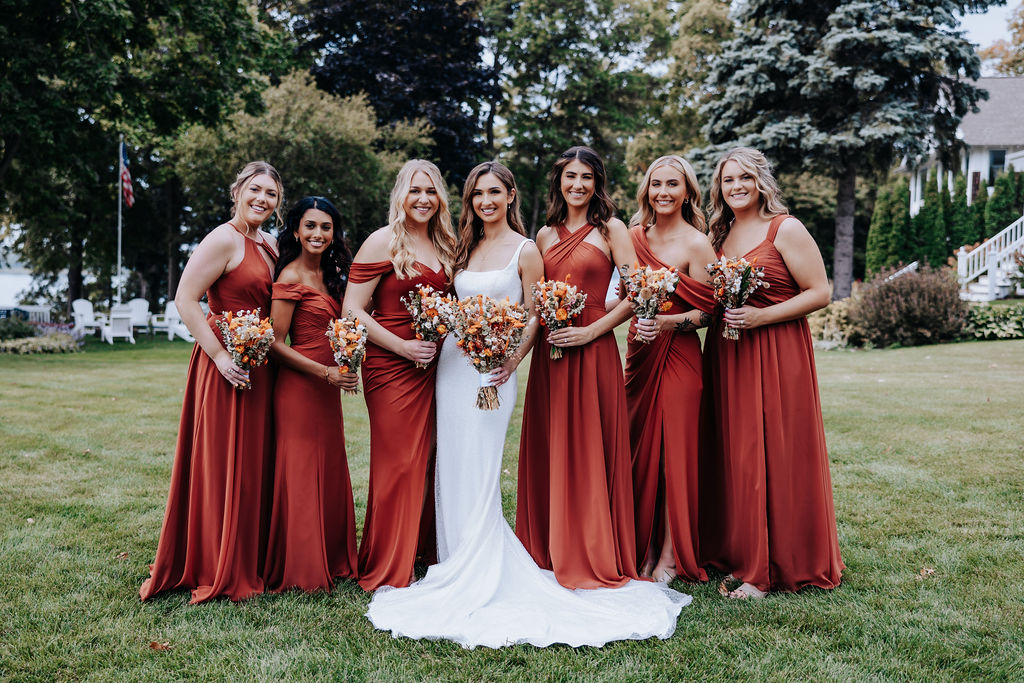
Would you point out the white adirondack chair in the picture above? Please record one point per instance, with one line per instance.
(119, 326)
(140, 313)
(170, 322)
(86, 319)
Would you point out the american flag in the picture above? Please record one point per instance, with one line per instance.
(126, 178)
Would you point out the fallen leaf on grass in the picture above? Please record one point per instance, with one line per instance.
(122, 556)
(30, 520)
(925, 572)
(154, 645)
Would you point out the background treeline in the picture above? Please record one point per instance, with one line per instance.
(338, 93)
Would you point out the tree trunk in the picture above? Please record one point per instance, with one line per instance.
(538, 197)
(846, 204)
(173, 236)
(75, 261)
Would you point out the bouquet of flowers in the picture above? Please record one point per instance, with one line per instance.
(488, 332)
(557, 304)
(648, 290)
(430, 313)
(348, 341)
(247, 337)
(735, 279)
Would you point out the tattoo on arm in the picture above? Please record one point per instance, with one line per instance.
(703, 320)
(685, 326)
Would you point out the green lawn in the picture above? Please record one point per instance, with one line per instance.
(928, 471)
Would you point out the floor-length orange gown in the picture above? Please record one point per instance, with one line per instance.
(312, 520)
(214, 536)
(575, 500)
(663, 389)
(399, 523)
(766, 510)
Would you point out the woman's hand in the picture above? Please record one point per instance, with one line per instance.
(419, 351)
(500, 375)
(229, 371)
(571, 336)
(349, 380)
(744, 317)
(648, 329)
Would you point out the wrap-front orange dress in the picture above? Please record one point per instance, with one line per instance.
(312, 520)
(766, 510)
(399, 523)
(663, 388)
(575, 500)
(214, 536)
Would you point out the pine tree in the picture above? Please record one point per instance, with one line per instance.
(961, 227)
(930, 226)
(1002, 205)
(901, 248)
(978, 209)
(880, 234)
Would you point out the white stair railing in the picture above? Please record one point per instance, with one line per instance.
(991, 257)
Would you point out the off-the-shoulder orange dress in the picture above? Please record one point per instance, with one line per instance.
(312, 521)
(766, 510)
(400, 402)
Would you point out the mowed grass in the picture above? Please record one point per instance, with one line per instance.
(928, 472)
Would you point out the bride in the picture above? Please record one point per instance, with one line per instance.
(487, 590)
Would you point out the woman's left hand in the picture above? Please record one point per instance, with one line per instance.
(649, 328)
(500, 375)
(570, 336)
(744, 317)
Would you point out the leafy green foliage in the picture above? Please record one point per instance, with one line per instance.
(1005, 204)
(959, 222)
(889, 239)
(831, 327)
(910, 310)
(929, 225)
(995, 322)
(15, 328)
(978, 209)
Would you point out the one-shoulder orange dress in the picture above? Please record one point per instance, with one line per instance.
(663, 389)
(214, 533)
(766, 510)
(575, 500)
(312, 522)
(399, 523)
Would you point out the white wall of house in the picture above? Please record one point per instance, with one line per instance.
(979, 164)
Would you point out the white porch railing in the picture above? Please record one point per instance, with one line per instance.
(993, 257)
(905, 270)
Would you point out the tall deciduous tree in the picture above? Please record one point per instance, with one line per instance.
(1007, 56)
(419, 60)
(843, 87)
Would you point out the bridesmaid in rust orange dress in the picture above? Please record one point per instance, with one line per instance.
(767, 515)
(214, 532)
(416, 247)
(663, 373)
(312, 521)
(575, 498)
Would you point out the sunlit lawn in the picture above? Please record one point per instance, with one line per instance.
(927, 465)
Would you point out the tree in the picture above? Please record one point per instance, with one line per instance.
(843, 87)
(413, 61)
(1003, 206)
(978, 207)
(1007, 58)
(901, 240)
(880, 250)
(961, 227)
(929, 225)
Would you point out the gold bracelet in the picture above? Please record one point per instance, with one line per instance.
(327, 372)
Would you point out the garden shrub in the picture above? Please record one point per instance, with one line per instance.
(910, 310)
(51, 343)
(995, 322)
(831, 327)
(16, 328)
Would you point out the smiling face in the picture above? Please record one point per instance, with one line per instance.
(739, 189)
(577, 184)
(315, 232)
(667, 190)
(257, 198)
(421, 201)
(491, 198)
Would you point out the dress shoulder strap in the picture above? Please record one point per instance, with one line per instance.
(515, 257)
(773, 227)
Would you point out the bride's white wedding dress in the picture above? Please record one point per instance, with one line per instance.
(487, 590)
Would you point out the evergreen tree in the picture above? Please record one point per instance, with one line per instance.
(978, 209)
(1002, 208)
(930, 226)
(841, 87)
(901, 249)
(880, 234)
(961, 226)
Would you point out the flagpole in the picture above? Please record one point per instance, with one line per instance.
(120, 191)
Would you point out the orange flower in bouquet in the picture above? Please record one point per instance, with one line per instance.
(430, 312)
(734, 280)
(488, 332)
(348, 342)
(648, 291)
(558, 303)
(247, 337)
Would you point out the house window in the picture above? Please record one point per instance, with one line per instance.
(996, 164)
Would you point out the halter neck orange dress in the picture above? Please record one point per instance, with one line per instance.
(399, 523)
(575, 500)
(312, 522)
(214, 537)
(663, 388)
(766, 511)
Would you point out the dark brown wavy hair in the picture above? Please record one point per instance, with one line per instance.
(601, 208)
(471, 227)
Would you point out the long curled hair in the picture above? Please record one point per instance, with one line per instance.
(691, 209)
(471, 227)
(335, 260)
(769, 197)
(251, 170)
(439, 227)
(601, 208)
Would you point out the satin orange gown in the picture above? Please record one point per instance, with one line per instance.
(766, 505)
(214, 538)
(399, 523)
(663, 390)
(575, 501)
(312, 520)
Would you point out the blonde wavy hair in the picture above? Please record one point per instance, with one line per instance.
(251, 170)
(769, 196)
(439, 228)
(691, 210)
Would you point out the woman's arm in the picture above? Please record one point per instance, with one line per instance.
(282, 311)
(699, 253)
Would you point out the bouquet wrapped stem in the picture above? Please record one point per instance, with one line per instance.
(734, 280)
(488, 332)
(558, 304)
(430, 314)
(348, 342)
(248, 338)
(648, 290)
